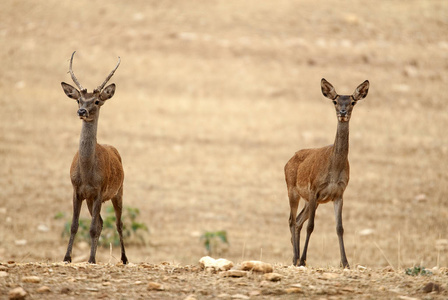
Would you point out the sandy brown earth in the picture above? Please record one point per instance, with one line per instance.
(172, 281)
(213, 98)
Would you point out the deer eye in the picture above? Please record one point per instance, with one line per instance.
(353, 103)
(97, 102)
(77, 101)
(334, 102)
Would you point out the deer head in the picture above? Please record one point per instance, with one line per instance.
(344, 103)
(89, 103)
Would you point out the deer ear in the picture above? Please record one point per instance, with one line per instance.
(70, 91)
(328, 90)
(361, 91)
(108, 92)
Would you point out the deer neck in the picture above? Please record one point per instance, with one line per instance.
(339, 157)
(87, 143)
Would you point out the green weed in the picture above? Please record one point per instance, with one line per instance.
(215, 242)
(417, 270)
(134, 232)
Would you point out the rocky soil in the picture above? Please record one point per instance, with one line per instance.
(173, 281)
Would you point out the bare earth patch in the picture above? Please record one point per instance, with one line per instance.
(172, 281)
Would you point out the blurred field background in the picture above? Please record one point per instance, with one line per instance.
(213, 98)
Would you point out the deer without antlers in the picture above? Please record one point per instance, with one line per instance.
(96, 171)
(321, 175)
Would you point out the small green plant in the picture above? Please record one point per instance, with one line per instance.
(215, 242)
(59, 215)
(133, 231)
(417, 270)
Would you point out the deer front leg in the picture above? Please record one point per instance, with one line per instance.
(74, 227)
(340, 231)
(301, 218)
(95, 227)
(312, 206)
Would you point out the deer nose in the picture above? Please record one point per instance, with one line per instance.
(343, 112)
(82, 112)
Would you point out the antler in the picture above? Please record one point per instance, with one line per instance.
(100, 88)
(83, 90)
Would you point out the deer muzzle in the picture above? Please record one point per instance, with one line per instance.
(83, 113)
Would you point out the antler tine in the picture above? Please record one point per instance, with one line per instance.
(100, 88)
(74, 77)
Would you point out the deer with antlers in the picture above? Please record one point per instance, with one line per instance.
(321, 175)
(96, 171)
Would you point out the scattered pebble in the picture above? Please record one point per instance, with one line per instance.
(154, 286)
(264, 283)
(11, 264)
(293, 290)
(43, 289)
(235, 273)
(348, 289)
(407, 298)
(421, 198)
(43, 228)
(273, 292)
(366, 232)
(254, 293)
(20, 242)
(3, 274)
(256, 266)
(223, 296)
(240, 296)
(17, 293)
(31, 279)
(273, 276)
(388, 269)
(329, 275)
(432, 287)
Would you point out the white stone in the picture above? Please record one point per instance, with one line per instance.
(220, 264)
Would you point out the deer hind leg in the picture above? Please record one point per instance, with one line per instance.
(117, 201)
(309, 211)
(340, 231)
(74, 227)
(294, 199)
(96, 226)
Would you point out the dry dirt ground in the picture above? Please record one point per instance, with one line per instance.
(213, 98)
(172, 281)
